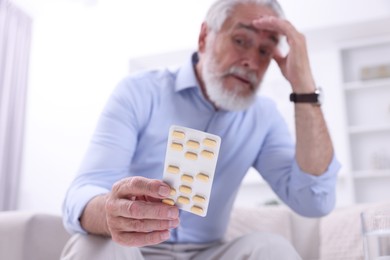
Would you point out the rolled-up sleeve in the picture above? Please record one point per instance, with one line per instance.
(313, 196)
(306, 194)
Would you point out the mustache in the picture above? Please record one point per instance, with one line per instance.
(247, 75)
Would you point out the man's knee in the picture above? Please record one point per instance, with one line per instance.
(268, 246)
(97, 247)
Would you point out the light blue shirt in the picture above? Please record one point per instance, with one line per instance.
(131, 140)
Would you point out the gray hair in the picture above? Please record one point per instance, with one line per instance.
(221, 10)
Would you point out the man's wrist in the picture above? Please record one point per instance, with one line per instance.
(94, 217)
(314, 97)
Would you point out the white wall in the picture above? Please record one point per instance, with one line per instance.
(80, 51)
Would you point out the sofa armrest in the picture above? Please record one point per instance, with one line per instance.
(29, 235)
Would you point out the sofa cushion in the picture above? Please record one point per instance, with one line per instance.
(300, 231)
(267, 219)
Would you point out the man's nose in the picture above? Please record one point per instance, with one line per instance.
(251, 60)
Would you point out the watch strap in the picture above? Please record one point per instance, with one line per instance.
(312, 98)
(304, 98)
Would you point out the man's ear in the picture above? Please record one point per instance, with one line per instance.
(202, 38)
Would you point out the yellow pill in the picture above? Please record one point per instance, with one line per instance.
(185, 189)
(202, 177)
(207, 154)
(173, 192)
(177, 146)
(209, 142)
(187, 178)
(197, 210)
(191, 156)
(178, 134)
(173, 169)
(168, 201)
(183, 200)
(193, 144)
(199, 199)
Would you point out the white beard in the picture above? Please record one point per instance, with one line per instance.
(227, 99)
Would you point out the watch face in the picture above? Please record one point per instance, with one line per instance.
(320, 96)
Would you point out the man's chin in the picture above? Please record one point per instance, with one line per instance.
(242, 90)
(235, 104)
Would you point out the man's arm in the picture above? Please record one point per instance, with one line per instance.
(103, 199)
(314, 149)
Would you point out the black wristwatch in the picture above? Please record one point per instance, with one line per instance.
(313, 98)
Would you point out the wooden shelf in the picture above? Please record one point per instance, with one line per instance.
(358, 85)
(368, 115)
(368, 129)
(368, 174)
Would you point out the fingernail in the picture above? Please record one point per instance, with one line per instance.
(164, 235)
(163, 191)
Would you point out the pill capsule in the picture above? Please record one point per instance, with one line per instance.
(209, 142)
(168, 201)
(173, 192)
(193, 144)
(199, 199)
(207, 154)
(197, 210)
(202, 177)
(185, 189)
(177, 146)
(191, 156)
(183, 200)
(173, 169)
(187, 178)
(178, 134)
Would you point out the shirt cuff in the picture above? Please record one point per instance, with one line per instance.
(318, 184)
(75, 204)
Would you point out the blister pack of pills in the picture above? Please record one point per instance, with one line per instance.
(190, 162)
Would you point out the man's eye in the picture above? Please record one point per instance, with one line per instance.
(239, 41)
(265, 52)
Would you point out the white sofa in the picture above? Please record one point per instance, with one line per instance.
(29, 235)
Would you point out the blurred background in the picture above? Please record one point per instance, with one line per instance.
(72, 53)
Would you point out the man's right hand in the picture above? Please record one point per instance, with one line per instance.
(134, 213)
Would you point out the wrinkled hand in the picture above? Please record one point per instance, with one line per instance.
(135, 214)
(295, 66)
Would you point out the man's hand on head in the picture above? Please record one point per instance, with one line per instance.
(295, 66)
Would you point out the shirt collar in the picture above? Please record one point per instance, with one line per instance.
(186, 77)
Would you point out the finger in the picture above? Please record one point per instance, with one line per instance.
(141, 209)
(141, 239)
(140, 186)
(121, 224)
(279, 58)
(275, 24)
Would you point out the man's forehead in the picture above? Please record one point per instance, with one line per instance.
(273, 36)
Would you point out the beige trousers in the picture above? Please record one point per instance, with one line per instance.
(264, 246)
